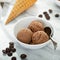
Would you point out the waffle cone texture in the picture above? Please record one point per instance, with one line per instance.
(19, 7)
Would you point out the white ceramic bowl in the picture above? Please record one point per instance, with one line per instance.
(57, 2)
(24, 23)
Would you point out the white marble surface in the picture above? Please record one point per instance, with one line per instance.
(5, 0)
(46, 53)
(0, 11)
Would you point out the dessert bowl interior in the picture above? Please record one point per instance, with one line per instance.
(24, 23)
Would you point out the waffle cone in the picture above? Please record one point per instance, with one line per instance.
(19, 7)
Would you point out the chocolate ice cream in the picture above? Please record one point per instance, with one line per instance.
(25, 35)
(36, 26)
(39, 37)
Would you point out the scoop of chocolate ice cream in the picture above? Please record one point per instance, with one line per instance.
(39, 37)
(25, 35)
(36, 26)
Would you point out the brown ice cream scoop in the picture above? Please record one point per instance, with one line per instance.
(25, 35)
(39, 37)
(36, 26)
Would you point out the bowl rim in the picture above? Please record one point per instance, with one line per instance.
(22, 19)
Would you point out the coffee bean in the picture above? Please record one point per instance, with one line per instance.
(41, 15)
(9, 54)
(13, 58)
(23, 56)
(13, 50)
(7, 50)
(50, 11)
(4, 51)
(56, 15)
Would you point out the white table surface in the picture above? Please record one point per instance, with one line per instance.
(45, 53)
(5, 0)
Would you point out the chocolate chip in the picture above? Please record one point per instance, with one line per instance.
(4, 51)
(7, 50)
(11, 46)
(56, 15)
(50, 11)
(47, 30)
(11, 43)
(41, 15)
(13, 50)
(13, 58)
(45, 12)
(23, 56)
(9, 54)
(46, 15)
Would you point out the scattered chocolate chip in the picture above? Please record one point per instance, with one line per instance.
(13, 58)
(45, 12)
(9, 54)
(13, 50)
(11, 46)
(56, 15)
(47, 30)
(50, 11)
(23, 56)
(46, 15)
(4, 51)
(41, 15)
(11, 43)
(7, 50)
